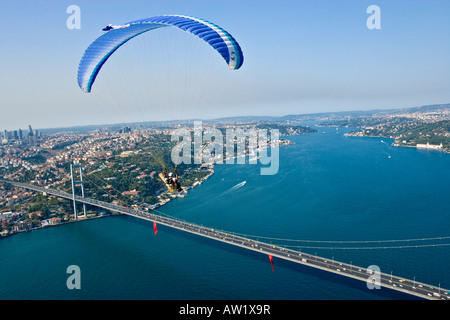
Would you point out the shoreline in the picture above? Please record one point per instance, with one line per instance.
(56, 225)
(396, 144)
(159, 204)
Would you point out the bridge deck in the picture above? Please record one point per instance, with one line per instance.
(389, 281)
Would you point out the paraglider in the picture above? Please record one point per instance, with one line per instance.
(104, 46)
(115, 36)
(154, 227)
(171, 181)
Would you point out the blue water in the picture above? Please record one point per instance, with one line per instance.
(329, 187)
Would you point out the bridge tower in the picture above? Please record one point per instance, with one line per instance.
(75, 184)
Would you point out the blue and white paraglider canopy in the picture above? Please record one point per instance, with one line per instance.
(117, 35)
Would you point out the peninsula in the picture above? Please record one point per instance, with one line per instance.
(120, 166)
(426, 127)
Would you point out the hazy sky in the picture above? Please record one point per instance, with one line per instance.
(299, 57)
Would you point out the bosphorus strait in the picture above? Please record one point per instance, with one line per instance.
(329, 188)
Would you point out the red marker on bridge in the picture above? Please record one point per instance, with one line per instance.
(271, 261)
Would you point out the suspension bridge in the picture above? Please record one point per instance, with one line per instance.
(373, 277)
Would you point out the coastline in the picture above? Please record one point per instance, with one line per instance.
(161, 202)
(211, 166)
(58, 224)
(396, 144)
(157, 205)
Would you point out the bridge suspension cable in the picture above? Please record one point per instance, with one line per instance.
(373, 248)
(345, 241)
(286, 241)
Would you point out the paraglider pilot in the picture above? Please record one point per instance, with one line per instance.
(172, 180)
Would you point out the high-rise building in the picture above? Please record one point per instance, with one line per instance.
(30, 133)
(20, 134)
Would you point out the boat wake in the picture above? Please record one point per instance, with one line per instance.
(239, 185)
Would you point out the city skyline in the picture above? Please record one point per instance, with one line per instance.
(300, 57)
(18, 134)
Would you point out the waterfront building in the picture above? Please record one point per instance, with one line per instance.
(429, 146)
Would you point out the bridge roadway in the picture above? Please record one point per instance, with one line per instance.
(389, 281)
